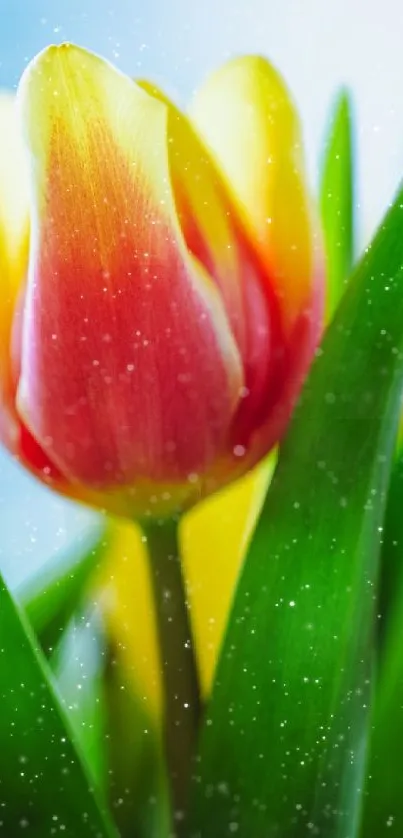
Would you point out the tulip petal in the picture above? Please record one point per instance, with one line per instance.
(214, 232)
(209, 218)
(247, 119)
(13, 251)
(129, 366)
(13, 204)
(215, 536)
(123, 590)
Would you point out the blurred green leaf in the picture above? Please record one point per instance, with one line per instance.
(78, 666)
(54, 593)
(337, 201)
(283, 748)
(139, 794)
(44, 787)
(391, 571)
(383, 799)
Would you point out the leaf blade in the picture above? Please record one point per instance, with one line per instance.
(42, 778)
(50, 598)
(382, 804)
(337, 201)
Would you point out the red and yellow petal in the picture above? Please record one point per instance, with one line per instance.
(208, 217)
(214, 232)
(125, 336)
(246, 117)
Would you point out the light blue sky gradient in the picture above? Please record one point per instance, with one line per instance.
(318, 44)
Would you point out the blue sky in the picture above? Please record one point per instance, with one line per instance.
(317, 45)
(26, 27)
(142, 37)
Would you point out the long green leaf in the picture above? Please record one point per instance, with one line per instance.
(138, 783)
(383, 800)
(44, 788)
(337, 202)
(283, 749)
(53, 594)
(78, 665)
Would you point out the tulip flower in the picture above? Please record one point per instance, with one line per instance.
(155, 347)
(172, 305)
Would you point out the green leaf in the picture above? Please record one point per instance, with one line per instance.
(44, 787)
(282, 751)
(383, 801)
(139, 793)
(78, 665)
(54, 593)
(390, 594)
(337, 202)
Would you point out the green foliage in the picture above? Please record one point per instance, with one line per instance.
(383, 801)
(51, 597)
(45, 789)
(78, 665)
(337, 202)
(283, 749)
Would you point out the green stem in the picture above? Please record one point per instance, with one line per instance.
(179, 670)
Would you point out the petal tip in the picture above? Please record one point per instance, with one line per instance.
(46, 73)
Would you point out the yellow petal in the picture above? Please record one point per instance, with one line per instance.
(13, 232)
(245, 115)
(13, 201)
(125, 596)
(210, 221)
(214, 537)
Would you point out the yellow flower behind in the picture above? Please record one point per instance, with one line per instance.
(13, 248)
(214, 537)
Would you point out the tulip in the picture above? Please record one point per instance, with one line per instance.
(172, 305)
